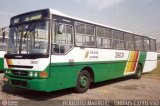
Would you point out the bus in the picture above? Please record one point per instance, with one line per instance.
(49, 51)
(3, 42)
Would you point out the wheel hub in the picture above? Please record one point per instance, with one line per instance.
(83, 81)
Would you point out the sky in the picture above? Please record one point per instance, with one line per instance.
(138, 16)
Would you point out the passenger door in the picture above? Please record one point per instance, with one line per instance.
(62, 40)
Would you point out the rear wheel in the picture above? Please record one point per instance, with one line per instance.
(83, 82)
(138, 72)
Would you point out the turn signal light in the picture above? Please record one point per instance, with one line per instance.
(43, 74)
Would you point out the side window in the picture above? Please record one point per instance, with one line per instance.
(138, 43)
(103, 37)
(84, 34)
(115, 39)
(146, 43)
(63, 39)
(80, 34)
(121, 40)
(118, 39)
(129, 38)
(152, 45)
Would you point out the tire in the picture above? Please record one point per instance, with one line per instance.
(83, 82)
(138, 73)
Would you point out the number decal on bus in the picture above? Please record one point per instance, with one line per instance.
(119, 55)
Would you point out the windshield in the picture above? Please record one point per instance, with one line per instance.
(29, 38)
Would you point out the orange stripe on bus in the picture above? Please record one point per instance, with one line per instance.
(132, 61)
(129, 66)
(136, 59)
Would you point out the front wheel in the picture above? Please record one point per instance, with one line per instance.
(83, 82)
(138, 73)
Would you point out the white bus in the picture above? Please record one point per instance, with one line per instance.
(49, 51)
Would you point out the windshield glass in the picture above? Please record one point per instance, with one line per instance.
(29, 38)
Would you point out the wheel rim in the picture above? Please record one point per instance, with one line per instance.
(83, 81)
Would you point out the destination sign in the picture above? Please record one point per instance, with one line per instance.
(31, 18)
(28, 17)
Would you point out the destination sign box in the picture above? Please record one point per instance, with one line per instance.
(29, 17)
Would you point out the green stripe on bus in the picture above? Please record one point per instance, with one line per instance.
(1, 63)
(142, 58)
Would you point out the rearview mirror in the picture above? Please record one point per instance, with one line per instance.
(60, 28)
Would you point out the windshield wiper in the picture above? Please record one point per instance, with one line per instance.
(26, 35)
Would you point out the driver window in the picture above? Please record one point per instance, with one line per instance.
(63, 40)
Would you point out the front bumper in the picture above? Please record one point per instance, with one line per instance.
(32, 84)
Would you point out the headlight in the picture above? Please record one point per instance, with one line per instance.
(31, 74)
(35, 74)
(7, 71)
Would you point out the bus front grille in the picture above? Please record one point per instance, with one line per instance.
(20, 73)
(19, 83)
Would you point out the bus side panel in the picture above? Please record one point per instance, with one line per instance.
(142, 58)
(108, 70)
(151, 62)
(63, 76)
(113, 70)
